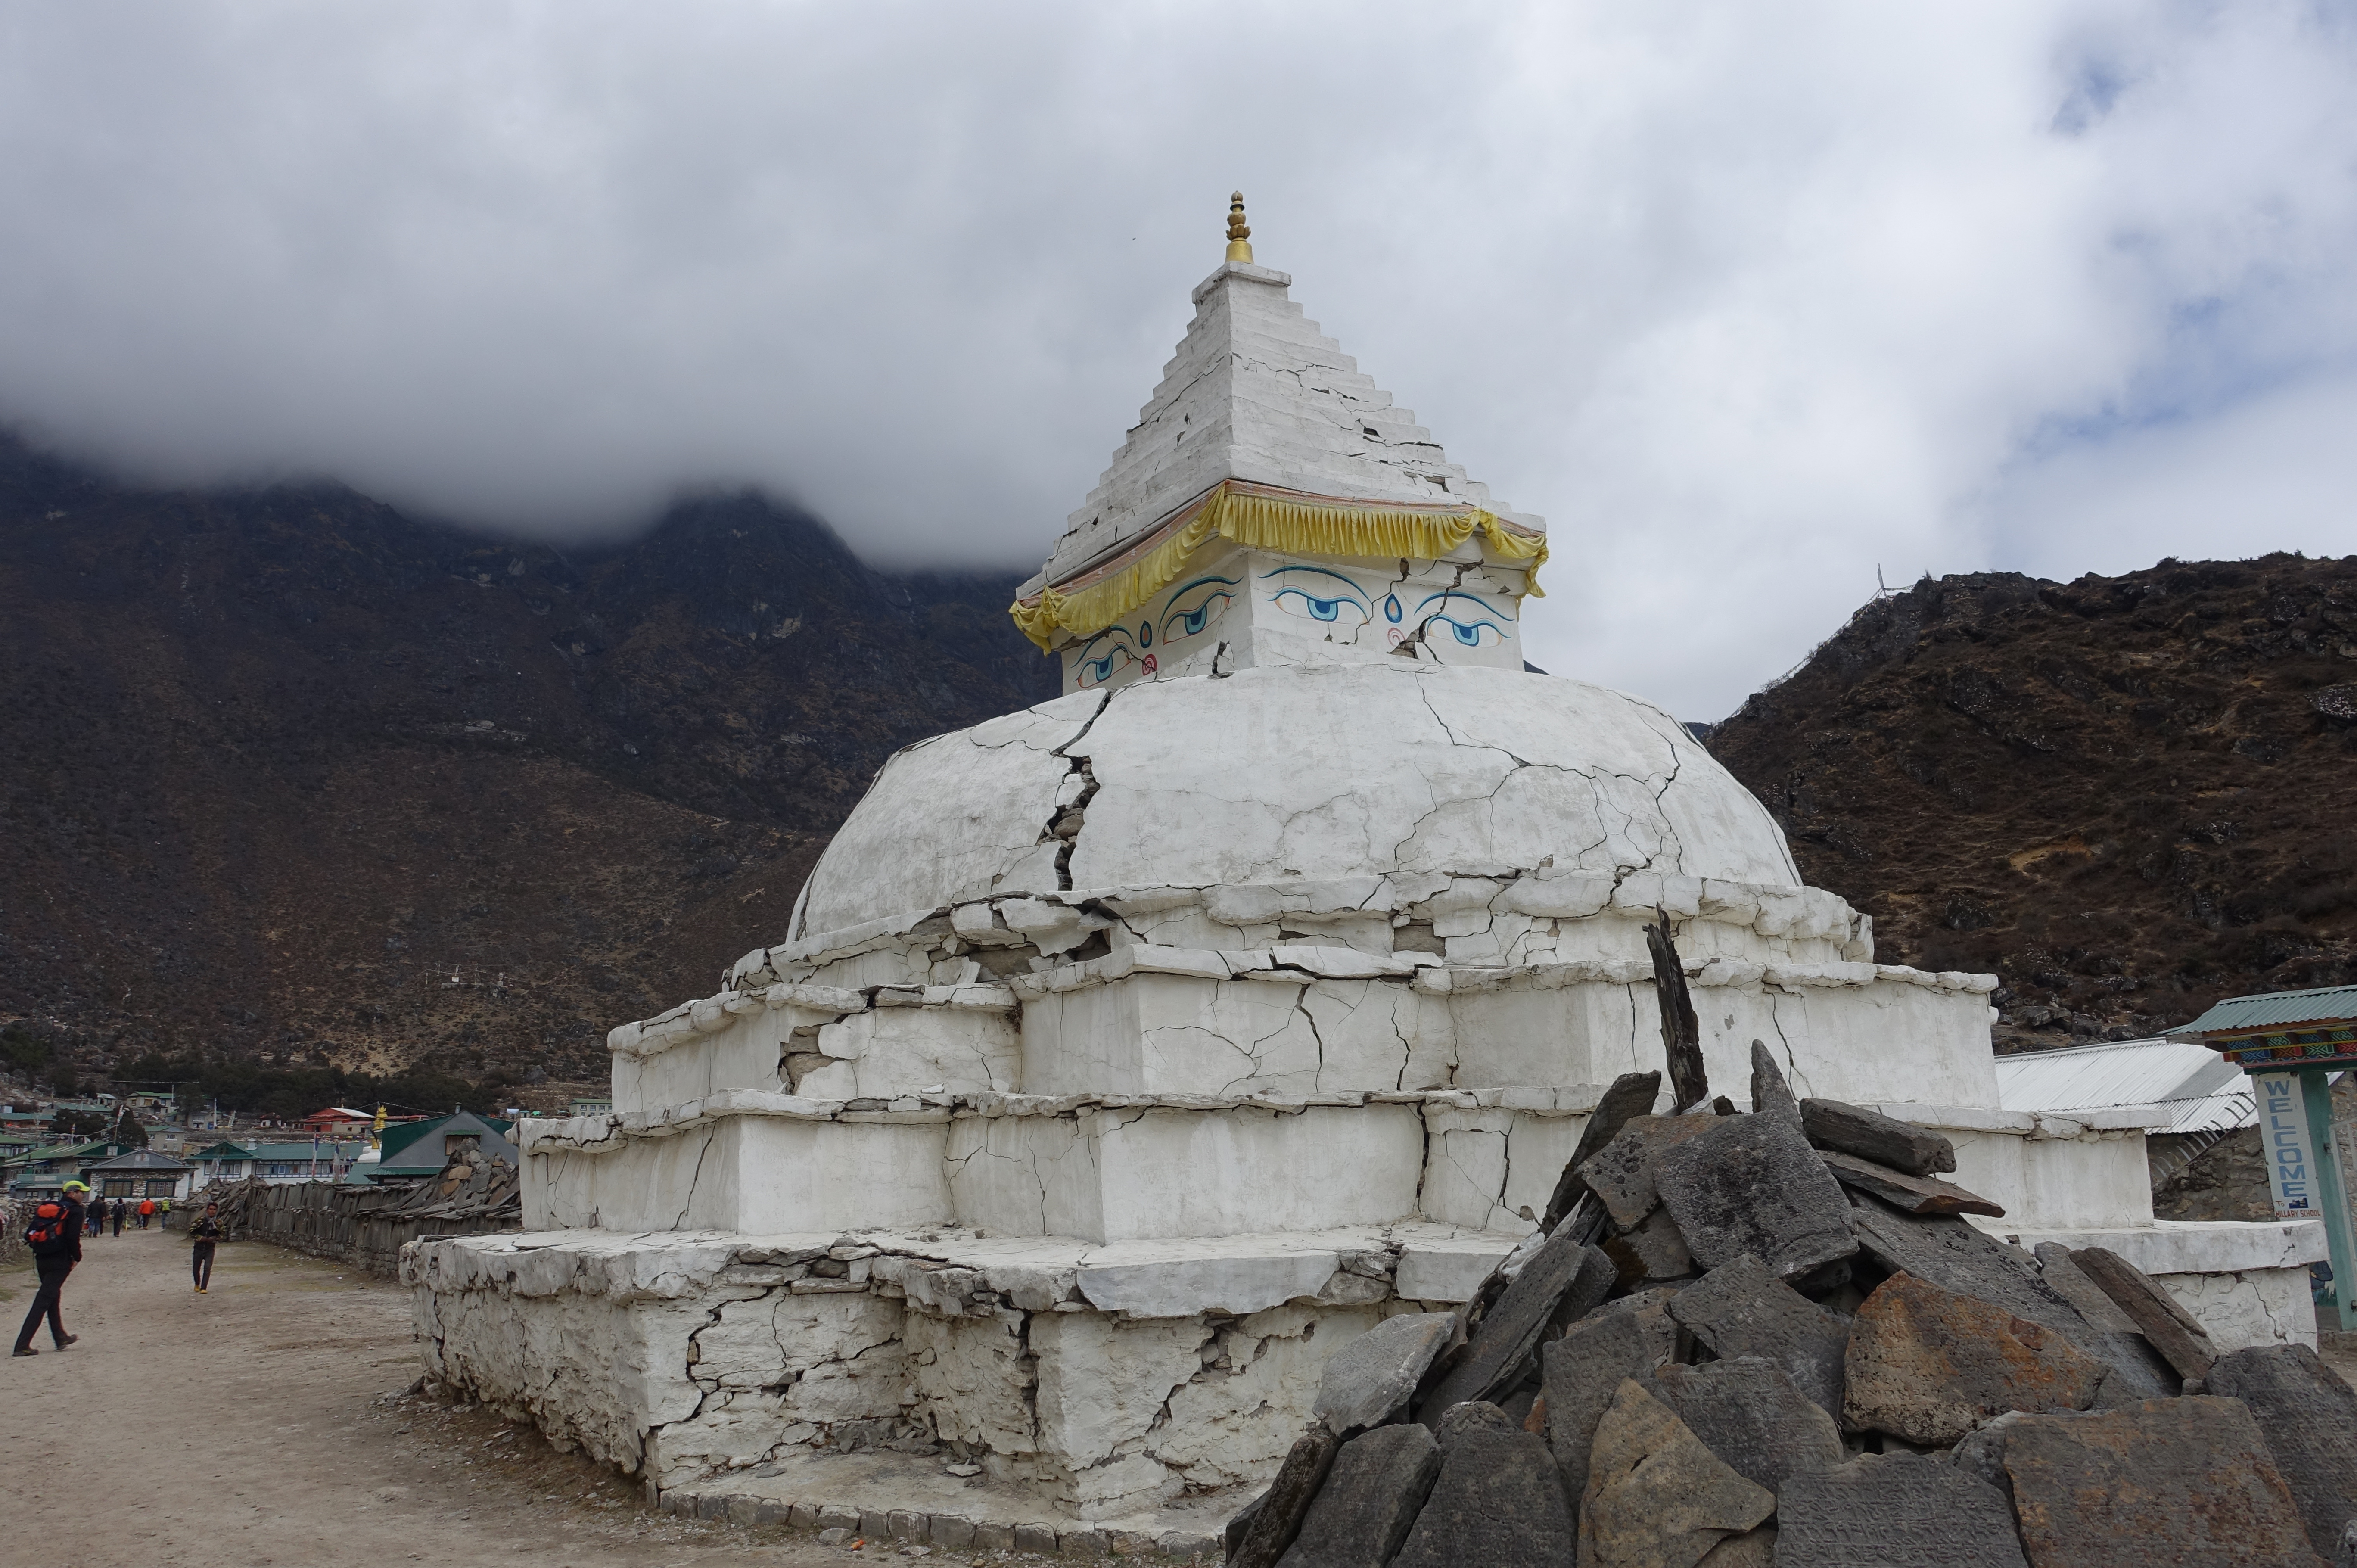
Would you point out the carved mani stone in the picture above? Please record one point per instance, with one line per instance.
(1585, 1368)
(1649, 1254)
(1885, 1508)
(1286, 1501)
(1771, 1095)
(1741, 1309)
(1631, 1094)
(1871, 1135)
(1955, 1256)
(2309, 1417)
(1474, 1415)
(2166, 1484)
(1563, 1280)
(2138, 1371)
(1929, 1365)
(1498, 1502)
(2173, 1331)
(1371, 1378)
(1656, 1496)
(1952, 1254)
(1752, 1548)
(1369, 1500)
(1916, 1194)
(1751, 1186)
(1621, 1173)
(1752, 1415)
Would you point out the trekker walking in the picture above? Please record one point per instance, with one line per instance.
(119, 1208)
(206, 1232)
(55, 1237)
(97, 1226)
(146, 1212)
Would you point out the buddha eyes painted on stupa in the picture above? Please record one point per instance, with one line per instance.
(1194, 606)
(1313, 593)
(1464, 618)
(1427, 604)
(1107, 654)
(1188, 610)
(1342, 604)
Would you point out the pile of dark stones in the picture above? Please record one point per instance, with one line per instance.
(1771, 1338)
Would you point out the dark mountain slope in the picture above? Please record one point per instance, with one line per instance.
(276, 766)
(2127, 795)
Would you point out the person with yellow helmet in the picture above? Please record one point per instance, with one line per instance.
(55, 1237)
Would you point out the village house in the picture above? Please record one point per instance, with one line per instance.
(304, 1161)
(49, 1167)
(141, 1174)
(338, 1122)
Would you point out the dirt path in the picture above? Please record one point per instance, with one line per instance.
(261, 1424)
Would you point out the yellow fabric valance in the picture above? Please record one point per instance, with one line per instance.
(1266, 518)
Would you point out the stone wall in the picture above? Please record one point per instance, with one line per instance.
(364, 1226)
(17, 1213)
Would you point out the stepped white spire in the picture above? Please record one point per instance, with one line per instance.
(1257, 392)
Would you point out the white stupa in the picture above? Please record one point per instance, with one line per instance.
(1124, 1055)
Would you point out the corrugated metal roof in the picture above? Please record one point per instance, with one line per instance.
(2204, 1091)
(2274, 1007)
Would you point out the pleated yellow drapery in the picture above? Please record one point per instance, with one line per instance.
(1267, 517)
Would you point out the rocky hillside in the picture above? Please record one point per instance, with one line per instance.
(2126, 796)
(292, 779)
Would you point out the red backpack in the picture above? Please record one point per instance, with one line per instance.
(48, 1230)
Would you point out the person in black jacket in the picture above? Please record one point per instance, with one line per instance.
(97, 1214)
(206, 1232)
(53, 1258)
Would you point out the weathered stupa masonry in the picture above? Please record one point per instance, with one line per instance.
(1126, 1058)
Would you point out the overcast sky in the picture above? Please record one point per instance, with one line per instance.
(1747, 299)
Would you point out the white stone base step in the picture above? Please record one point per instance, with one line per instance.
(909, 1499)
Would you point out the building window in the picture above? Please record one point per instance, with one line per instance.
(120, 1188)
(161, 1188)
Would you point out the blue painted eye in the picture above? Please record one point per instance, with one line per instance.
(1473, 634)
(1177, 622)
(1300, 601)
(1096, 672)
(1391, 609)
(1188, 622)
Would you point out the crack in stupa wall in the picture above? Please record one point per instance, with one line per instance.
(694, 1176)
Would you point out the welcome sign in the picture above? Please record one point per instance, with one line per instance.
(2284, 1135)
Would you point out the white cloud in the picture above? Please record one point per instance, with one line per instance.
(1746, 299)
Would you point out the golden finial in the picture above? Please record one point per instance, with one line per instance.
(1239, 236)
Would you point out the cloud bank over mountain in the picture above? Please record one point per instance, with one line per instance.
(1747, 300)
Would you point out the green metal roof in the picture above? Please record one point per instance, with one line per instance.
(396, 1140)
(103, 1146)
(2332, 1003)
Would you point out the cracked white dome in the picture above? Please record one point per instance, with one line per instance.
(1288, 773)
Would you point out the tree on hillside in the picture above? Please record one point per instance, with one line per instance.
(71, 1127)
(127, 1130)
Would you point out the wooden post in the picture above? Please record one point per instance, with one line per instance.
(2316, 1094)
(1680, 1030)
